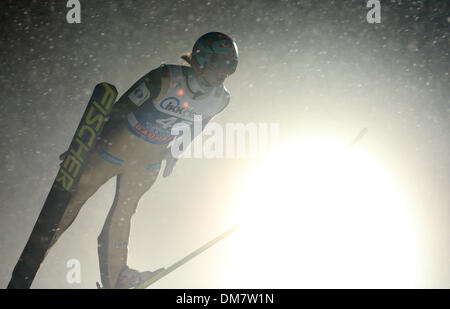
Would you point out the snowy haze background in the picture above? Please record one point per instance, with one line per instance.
(311, 65)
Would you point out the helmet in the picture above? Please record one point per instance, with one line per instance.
(215, 50)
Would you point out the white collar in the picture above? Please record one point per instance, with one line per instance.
(195, 86)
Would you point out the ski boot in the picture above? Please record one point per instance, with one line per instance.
(131, 278)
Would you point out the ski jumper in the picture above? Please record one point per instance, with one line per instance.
(132, 146)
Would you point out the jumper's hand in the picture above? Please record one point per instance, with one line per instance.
(170, 162)
(63, 156)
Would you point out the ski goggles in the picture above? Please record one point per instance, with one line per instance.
(222, 64)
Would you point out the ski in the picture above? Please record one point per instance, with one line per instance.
(71, 169)
(357, 138)
(165, 271)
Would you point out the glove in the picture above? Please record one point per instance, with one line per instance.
(63, 156)
(170, 162)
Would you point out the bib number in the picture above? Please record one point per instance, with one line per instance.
(167, 123)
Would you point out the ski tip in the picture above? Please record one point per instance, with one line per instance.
(106, 86)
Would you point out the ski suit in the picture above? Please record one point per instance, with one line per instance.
(132, 146)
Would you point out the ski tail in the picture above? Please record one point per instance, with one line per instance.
(187, 258)
(71, 169)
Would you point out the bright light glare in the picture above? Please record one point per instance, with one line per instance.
(320, 217)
